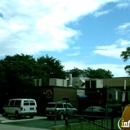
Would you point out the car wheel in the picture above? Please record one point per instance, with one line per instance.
(62, 116)
(48, 118)
(4, 113)
(17, 115)
(31, 116)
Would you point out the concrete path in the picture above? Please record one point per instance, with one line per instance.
(11, 127)
(13, 119)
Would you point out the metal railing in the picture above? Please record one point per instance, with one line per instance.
(100, 121)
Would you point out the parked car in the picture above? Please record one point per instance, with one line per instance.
(20, 107)
(96, 111)
(58, 110)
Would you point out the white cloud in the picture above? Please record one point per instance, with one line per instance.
(124, 28)
(123, 4)
(97, 14)
(113, 50)
(71, 64)
(31, 26)
(76, 48)
(116, 69)
(73, 54)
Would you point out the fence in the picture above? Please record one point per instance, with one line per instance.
(84, 124)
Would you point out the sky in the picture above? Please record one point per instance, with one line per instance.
(79, 33)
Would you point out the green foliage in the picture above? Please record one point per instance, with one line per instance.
(2, 74)
(50, 68)
(125, 55)
(98, 73)
(75, 72)
(127, 69)
(21, 70)
(91, 73)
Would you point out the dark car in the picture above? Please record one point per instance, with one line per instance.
(96, 112)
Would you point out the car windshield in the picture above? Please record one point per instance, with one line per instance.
(51, 105)
(95, 109)
(68, 106)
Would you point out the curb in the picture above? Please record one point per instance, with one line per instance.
(9, 120)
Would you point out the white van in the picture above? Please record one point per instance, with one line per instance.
(20, 107)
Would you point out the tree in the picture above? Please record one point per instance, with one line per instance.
(75, 72)
(2, 74)
(91, 73)
(50, 67)
(98, 73)
(19, 69)
(125, 55)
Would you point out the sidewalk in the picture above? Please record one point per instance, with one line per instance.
(4, 120)
(10, 127)
(13, 119)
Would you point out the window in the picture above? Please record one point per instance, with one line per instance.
(17, 102)
(93, 84)
(64, 105)
(26, 102)
(32, 102)
(110, 96)
(59, 106)
(7, 103)
(90, 108)
(70, 106)
(12, 102)
(51, 105)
